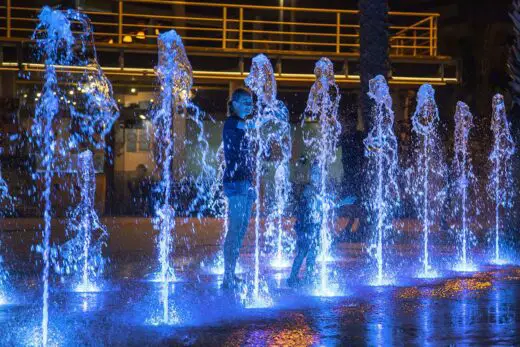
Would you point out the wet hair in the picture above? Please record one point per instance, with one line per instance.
(235, 96)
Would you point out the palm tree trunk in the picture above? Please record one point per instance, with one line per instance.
(373, 50)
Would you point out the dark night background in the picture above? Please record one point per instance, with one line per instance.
(478, 34)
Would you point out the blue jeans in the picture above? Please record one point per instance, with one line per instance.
(307, 246)
(241, 196)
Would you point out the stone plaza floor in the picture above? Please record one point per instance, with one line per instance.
(478, 308)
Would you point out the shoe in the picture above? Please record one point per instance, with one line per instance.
(293, 282)
(231, 283)
(308, 280)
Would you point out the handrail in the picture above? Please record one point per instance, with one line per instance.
(240, 27)
(221, 75)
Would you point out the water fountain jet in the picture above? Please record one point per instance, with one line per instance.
(174, 77)
(381, 150)
(464, 180)
(428, 171)
(59, 43)
(82, 253)
(276, 132)
(322, 107)
(500, 182)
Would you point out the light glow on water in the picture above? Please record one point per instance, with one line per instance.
(428, 274)
(157, 277)
(383, 282)
(331, 291)
(88, 287)
(158, 319)
(465, 267)
(501, 261)
(279, 262)
(3, 298)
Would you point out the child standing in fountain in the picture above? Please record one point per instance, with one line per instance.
(307, 227)
(308, 224)
(238, 177)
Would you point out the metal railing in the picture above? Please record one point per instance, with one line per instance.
(233, 27)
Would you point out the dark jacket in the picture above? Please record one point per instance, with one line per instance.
(238, 152)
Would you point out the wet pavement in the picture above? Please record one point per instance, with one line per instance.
(479, 308)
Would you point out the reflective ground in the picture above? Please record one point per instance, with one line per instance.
(458, 308)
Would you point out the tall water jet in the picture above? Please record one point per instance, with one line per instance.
(91, 115)
(500, 181)
(82, 255)
(277, 220)
(174, 77)
(218, 207)
(428, 170)
(381, 151)
(276, 133)
(322, 107)
(463, 181)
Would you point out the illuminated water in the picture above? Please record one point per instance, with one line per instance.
(92, 112)
(381, 151)
(174, 78)
(75, 113)
(464, 181)
(81, 256)
(275, 133)
(500, 182)
(322, 107)
(428, 173)
(481, 308)
(277, 219)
